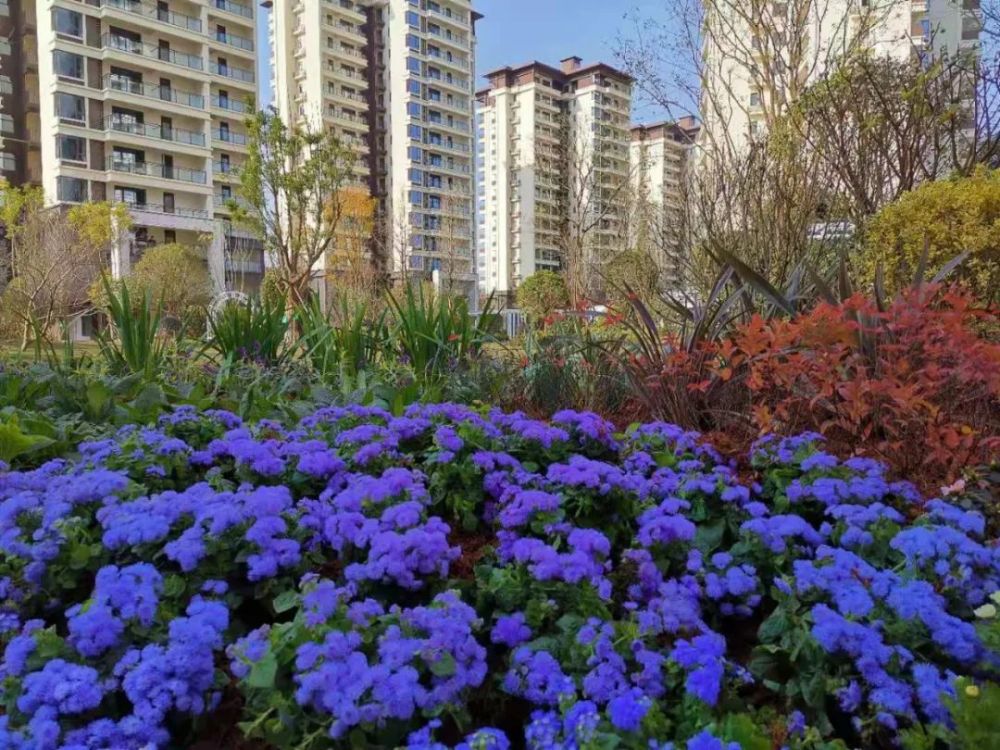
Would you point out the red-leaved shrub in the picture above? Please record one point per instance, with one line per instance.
(916, 386)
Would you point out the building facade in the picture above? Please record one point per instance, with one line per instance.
(138, 103)
(553, 148)
(759, 55)
(660, 156)
(395, 80)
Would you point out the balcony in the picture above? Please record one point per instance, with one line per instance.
(243, 75)
(145, 130)
(156, 208)
(225, 169)
(222, 201)
(161, 54)
(453, 18)
(232, 40)
(181, 21)
(454, 62)
(228, 136)
(231, 105)
(154, 91)
(160, 171)
(245, 265)
(237, 9)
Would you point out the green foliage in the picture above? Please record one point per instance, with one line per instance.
(250, 331)
(292, 194)
(350, 346)
(974, 712)
(132, 344)
(943, 219)
(542, 293)
(435, 333)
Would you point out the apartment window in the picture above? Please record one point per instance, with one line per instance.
(433, 201)
(131, 196)
(67, 23)
(71, 189)
(413, 19)
(416, 176)
(6, 124)
(415, 153)
(7, 162)
(413, 64)
(413, 86)
(413, 41)
(71, 108)
(413, 109)
(416, 197)
(68, 65)
(71, 148)
(415, 132)
(755, 99)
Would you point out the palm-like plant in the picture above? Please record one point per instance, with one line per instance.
(132, 344)
(349, 346)
(252, 331)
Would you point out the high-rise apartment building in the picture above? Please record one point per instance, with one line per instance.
(395, 79)
(759, 55)
(554, 156)
(660, 158)
(140, 103)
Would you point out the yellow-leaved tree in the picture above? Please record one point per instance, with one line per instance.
(949, 217)
(351, 267)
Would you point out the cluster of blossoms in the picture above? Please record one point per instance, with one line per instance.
(362, 576)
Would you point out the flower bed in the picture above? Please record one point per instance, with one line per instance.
(453, 579)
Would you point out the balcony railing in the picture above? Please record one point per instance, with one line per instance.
(164, 16)
(453, 17)
(223, 201)
(231, 105)
(240, 42)
(245, 265)
(228, 71)
(237, 9)
(154, 91)
(157, 208)
(162, 171)
(228, 136)
(163, 54)
(149, 130)
(224, 167)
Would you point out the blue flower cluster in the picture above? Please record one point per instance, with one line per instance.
(382, 579)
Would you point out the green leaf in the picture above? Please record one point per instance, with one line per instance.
(99, 396)
(444, 666)
(173, 586)
(774, 626)
(285, 601)
(985, 612)
(263, 672)
(14, 443)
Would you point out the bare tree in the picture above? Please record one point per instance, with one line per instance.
(815, 113)
(593, 200)
(57, 256)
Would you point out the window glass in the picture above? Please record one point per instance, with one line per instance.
(67, 65)
(71, 148)
(71, 189)
(70, 107)
(67, 22)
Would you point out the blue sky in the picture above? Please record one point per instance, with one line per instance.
(516, 31)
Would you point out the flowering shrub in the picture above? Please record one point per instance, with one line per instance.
(456, 579)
